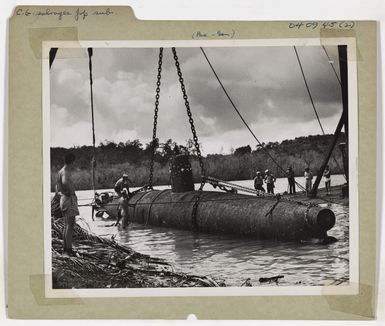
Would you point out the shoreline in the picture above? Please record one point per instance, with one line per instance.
(103, 263)
(335, 197)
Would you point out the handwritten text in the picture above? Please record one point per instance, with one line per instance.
(324, 25)
(77, 14)
(214, 34)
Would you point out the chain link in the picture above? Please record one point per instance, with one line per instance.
(195, 138)
(157, 96)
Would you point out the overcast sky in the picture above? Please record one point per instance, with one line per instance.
(264, 82)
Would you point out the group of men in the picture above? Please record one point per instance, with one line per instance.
(270, 179)
(65, 188)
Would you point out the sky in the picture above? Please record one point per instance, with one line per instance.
(265, 83)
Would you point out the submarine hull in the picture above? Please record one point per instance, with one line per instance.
(218, 212)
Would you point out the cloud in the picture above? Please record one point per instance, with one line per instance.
(266, 131)
(66, 134)
(265, 83)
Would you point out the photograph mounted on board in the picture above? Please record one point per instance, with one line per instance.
(215, 166)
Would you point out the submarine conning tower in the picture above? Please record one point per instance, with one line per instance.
(264, 217)
(181, 174)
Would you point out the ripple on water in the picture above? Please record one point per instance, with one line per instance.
(233, 258)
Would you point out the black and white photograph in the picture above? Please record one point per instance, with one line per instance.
(215, 165)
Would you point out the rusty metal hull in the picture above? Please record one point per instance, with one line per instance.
(217, 212)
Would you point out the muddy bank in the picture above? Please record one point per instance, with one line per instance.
(103, 263)
(335, 197)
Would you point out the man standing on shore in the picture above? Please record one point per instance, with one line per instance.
(269, 179)
(122, 188)
(291, 180)
(68, 203)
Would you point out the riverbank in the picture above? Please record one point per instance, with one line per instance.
(335, 197)
(120, 259)
(103, 263)
(242, 164)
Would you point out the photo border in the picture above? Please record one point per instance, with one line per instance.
(351, 289)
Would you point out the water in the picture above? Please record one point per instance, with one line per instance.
(235, 258)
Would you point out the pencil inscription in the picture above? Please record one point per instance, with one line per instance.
(214, 34)
(320, 24)
(77, 14)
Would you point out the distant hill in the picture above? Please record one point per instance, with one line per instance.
(134, 158)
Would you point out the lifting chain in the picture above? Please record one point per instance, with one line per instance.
(195, 138)
(157, 95)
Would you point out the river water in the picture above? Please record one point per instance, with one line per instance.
(233, 259)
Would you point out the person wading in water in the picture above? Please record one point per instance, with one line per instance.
(65, 187)
(122, 188)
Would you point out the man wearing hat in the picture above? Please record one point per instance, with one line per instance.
(258, 182)
(291, 180)
(269, 179)
(122, 188)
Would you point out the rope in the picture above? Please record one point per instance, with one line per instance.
(217, 182)
(308, 90)
(243, 120)
(339, 81)
(311, 99)
(331, 64)
(269, 197)
(90, 53)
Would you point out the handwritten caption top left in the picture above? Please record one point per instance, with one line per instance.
(75, 14)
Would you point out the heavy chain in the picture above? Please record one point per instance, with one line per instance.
(195, 138)
(157, 96)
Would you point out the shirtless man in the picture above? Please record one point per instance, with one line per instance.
(308, 177)
(327, 180)
(68, 203)
(122, 188)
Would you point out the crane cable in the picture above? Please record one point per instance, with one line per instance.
(331, 64)
(243, 120)
(311, 98)
(308, 90)
(90, 53)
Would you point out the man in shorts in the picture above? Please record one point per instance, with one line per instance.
(68, 203)
(327, 174)
(122, 188)
(308, 175)
(258, 182)
(269, 179)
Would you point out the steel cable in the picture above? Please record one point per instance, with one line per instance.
(243, 120)
(311, 98)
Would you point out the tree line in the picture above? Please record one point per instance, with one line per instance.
(134, 158)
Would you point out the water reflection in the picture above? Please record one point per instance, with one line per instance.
(234, 259)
